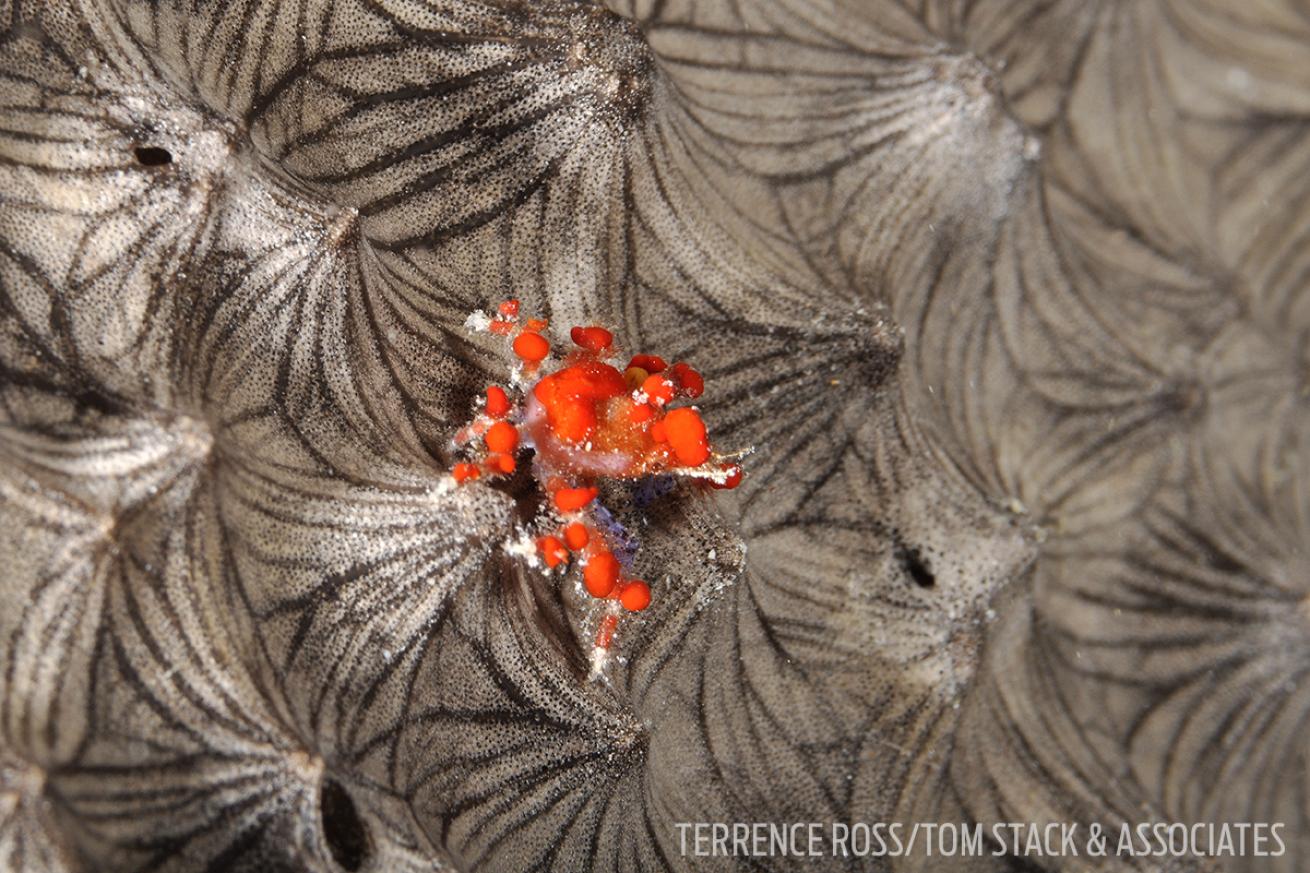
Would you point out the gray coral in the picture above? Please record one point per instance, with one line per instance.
(1010, 295)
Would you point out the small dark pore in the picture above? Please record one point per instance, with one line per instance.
(914, 565)
(343, 830)
(152, 156)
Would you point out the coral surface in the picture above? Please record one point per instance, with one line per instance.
(1009, 297)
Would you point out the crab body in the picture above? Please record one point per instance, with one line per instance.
(587, 421)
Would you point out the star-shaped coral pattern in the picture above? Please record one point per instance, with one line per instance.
(1009, 297)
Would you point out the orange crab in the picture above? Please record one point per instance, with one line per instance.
(587, 420)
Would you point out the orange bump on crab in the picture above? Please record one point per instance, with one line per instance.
(502, 437)
(497, 402)
(552, 551)
(658, 389)
(687, 436)
(501, 462)
(465, 472)
(691, 382)
(573, 499)
(635, 596)
(649, 363)
(531, 346)
(731, 479)
(593, 339)
(601, 573)
(576, 536)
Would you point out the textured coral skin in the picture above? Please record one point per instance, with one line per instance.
(1010, 295)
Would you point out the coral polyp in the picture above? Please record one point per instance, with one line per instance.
(586, 421)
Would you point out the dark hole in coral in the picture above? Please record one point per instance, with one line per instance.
(343, 830)
(914, 565)
(152, 156)
(523, 487)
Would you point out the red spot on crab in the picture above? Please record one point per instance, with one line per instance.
(501, 462)
(732, 480)
(573, 499)
(593, 339)
(552, 551)
(576, 536)
(689, 381)
(649, 363)
(635, 596)
(658, 389)
(601, 574)
(531, 346)
(605, 633)
(687, 436)
(502, 437)
(497, 402)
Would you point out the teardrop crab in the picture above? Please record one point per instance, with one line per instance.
(587, 420)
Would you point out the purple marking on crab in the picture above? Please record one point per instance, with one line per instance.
(623, 543)
(652, 488)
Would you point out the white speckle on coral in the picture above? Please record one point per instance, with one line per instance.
(599, 658)
(1239, 79)
(522, 547)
